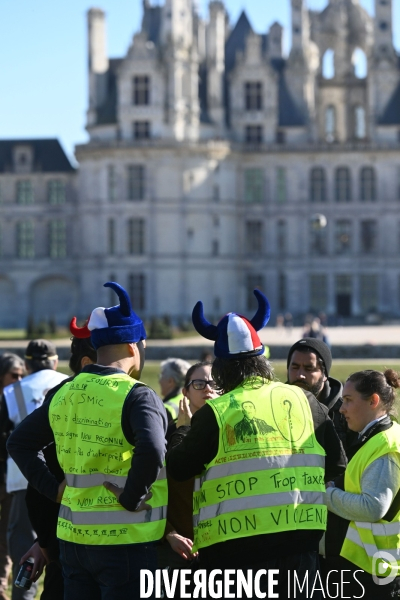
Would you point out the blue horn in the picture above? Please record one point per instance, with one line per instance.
(202, 326)
(124, 300)
(263, 313)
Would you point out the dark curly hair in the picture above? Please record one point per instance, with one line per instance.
(229, 373)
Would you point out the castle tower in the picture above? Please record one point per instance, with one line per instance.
(98, 62)
(383, 28)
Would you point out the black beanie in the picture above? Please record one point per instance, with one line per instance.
(317, 346)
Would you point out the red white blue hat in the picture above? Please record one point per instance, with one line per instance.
(234, 336)
(115, 325)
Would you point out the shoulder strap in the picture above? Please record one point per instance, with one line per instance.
(19, 396)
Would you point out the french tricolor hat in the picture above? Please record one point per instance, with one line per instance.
(234, 336)
(115, 325)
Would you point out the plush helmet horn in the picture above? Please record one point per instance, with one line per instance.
(79, 332)
(202, 326)
(124, 300)
(263, 313)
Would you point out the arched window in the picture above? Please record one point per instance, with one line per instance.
(328, 65)
(360, 129)
(360, 64)
(343, 185)
(330, 123)
(317, 185)
(368, 184)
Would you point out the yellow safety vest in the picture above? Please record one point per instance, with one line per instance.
(364, 540)
(85, 415)
(172, 406)
(268, 474)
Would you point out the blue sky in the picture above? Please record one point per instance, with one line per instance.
(43, 57)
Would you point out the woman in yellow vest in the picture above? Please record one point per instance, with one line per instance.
(363, 534)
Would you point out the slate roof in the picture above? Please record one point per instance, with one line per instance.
(48, 155)
(236, 41)
(289, 114)
(151, 23)
(107, 113)
(391, 115)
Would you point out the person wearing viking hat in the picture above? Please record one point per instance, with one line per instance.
(109, 431)
(259, 492)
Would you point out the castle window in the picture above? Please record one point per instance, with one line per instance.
(343, 237)
(253, 282)
(328, 65)
(281, 291)
(360, 64)
(111, 183)
(141, 90)
(330, 123)
(318, 241)
(56, 192)
(383, 25)
(368, 292)
(317, 185)
(111, 236)
(369, 236)
(254, 237)
(215, 248)
(281, 237)
(254, 134)
(136, 182)
(343, 185)
(57, 238)
(136, 233)
(253, 185)
(26, 239)
(24, 192)
(318, 293)
(253, 95)
(281, 188)
(137, 290)
(360, 129)
(367, 184)
(141, 130)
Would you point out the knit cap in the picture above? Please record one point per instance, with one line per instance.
(317, 346)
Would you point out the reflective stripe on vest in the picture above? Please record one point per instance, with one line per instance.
(365, 540)
(84, 481)
(85, 416)
(113, 518)
(268, 474)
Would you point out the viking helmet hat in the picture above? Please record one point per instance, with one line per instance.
(115, 325)
(234, 336)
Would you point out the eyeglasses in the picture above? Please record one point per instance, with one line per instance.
(200, 384)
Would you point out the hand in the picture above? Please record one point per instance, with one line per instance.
(181, 545)
(185, 416)
(61, 489)
(117, 491)
(330, 484)
(39, 561)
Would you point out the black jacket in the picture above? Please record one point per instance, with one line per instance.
(143, 422)
(191, 448)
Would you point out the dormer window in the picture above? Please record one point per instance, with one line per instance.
(330, 123)
(253, 91)
(141, 90)
(22, 159)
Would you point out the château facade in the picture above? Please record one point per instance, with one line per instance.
(214, 161)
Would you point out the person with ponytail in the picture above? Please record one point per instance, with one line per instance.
(363, 532)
